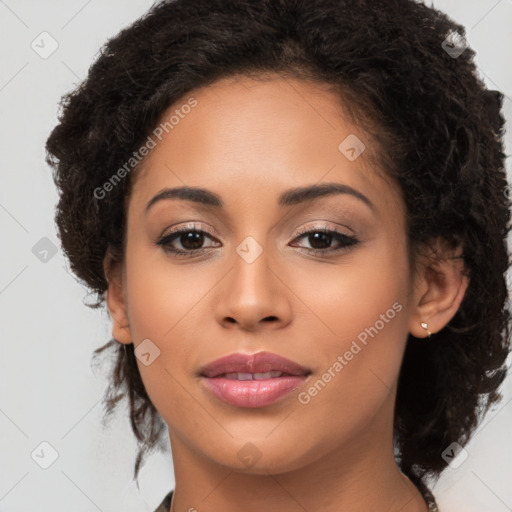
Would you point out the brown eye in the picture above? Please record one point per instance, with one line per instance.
(191, 241)
(320, 240)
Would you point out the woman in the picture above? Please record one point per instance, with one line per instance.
(296, 214)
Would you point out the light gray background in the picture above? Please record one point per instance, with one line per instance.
(48, 390)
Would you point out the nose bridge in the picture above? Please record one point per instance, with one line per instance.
(252, 278)
(253, 292)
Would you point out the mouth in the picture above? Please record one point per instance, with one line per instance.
(252, 380)
(251, 376)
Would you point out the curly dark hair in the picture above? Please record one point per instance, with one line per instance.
(439, 134)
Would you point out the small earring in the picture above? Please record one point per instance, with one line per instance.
(425, 326)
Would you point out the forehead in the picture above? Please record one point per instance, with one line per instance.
(243, 137)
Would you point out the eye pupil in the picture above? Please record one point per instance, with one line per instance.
(196, 240)
(315, 237)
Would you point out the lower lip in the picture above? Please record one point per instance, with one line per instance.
(253, 393)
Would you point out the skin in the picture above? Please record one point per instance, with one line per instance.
(248, 141)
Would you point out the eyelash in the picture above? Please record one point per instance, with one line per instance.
(346, 241)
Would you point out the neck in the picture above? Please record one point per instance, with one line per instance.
(357, 475)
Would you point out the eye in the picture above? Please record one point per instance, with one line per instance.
(190, 239)
(320, 240)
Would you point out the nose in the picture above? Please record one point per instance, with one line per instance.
(253, 296)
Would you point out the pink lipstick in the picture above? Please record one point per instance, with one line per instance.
(252, 380)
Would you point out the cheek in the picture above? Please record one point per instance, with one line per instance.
(361, 325)
(169, 304)
(161, 305)
(357, 294)
(163, 297)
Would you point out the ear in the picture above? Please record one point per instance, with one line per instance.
(439, 286)
(115, 297)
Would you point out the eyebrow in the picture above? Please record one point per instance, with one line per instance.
(288, 198)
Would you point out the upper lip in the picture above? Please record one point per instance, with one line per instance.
(260, 362)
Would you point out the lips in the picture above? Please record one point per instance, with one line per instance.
(252, 364)
(252, 376)
(252, 380)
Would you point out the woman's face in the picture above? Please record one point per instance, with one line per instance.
(262, 276)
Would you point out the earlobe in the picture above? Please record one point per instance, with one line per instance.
(439, 291)
(116, 302)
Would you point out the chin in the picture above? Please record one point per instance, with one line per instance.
(262, 457)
